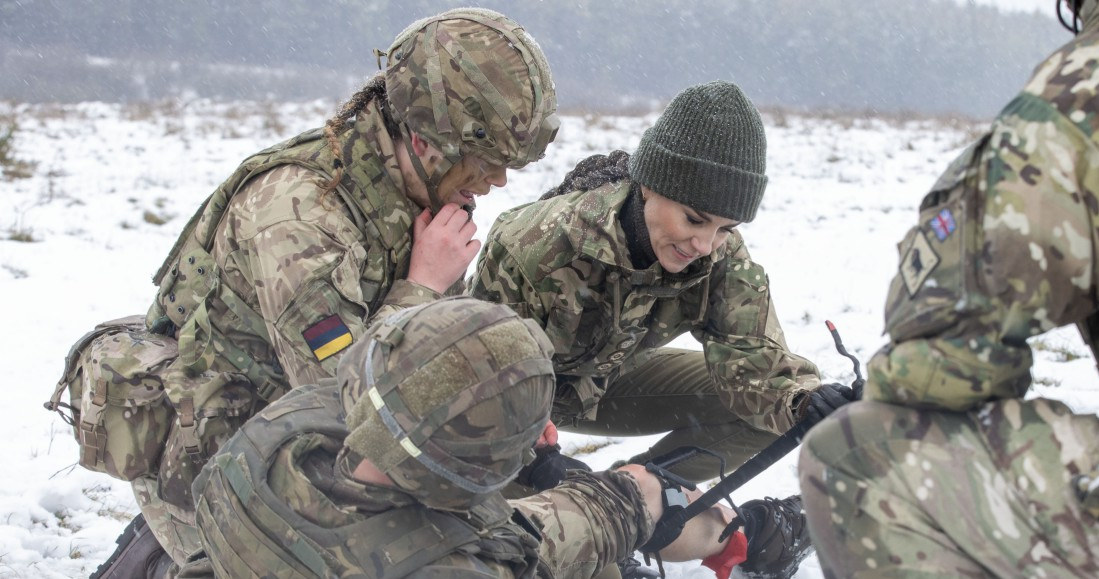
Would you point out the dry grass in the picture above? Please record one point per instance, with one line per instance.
(1058, 352)
(590, 447)
(12, 167)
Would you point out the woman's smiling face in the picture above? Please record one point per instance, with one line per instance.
(680, 234)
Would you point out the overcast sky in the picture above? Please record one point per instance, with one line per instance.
(1044, 6)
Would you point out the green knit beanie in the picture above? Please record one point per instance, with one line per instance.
(707, 151)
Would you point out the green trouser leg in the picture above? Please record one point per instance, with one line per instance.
(670, 390)
(898, 492)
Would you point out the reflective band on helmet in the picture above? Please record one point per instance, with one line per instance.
(410, 448)
(485, 390)
(375, 398)
(530, 433)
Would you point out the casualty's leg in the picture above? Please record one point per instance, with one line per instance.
(588, 523)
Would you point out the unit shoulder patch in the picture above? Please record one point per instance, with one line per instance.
(327, 337)
(918, 262)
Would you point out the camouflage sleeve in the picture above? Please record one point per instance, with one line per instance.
(500, 278)
(405, 294)
(305, 260)
(757, 376)
(304, 298)
(1004, 250)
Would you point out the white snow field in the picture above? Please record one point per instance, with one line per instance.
(112, 185)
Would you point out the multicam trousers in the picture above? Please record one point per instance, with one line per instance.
(899, 492)
(173, 527)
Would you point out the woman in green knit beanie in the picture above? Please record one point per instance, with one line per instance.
(632, 251)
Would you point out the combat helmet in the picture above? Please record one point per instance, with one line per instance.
(447, 399)
(471, 81)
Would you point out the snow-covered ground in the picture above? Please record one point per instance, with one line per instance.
(113, 185)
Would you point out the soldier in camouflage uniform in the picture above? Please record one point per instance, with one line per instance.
(946, 470)
(393, 468)
(632, 251)
(289, 260)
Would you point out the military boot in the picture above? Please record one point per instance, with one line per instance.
(631, 568)
(138, 555)
(778, 538)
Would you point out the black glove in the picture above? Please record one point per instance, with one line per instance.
(826, 400)
(548, 468)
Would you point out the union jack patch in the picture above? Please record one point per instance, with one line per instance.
(327, 337)
(943, 224)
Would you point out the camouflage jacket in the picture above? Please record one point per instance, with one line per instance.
(564, 262)
(1005, 247)
(274, 271)
(278, 501)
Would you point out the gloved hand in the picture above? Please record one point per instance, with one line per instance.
(548, 468)
(826, 400)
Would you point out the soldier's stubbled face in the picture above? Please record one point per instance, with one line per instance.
(680, 234)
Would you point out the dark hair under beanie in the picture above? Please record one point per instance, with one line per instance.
(707, 151)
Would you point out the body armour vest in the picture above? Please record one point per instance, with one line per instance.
(250, 530)
(189, 279)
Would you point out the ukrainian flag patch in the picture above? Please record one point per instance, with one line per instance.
(327, 337)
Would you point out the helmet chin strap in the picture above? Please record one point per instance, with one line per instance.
(430, 182)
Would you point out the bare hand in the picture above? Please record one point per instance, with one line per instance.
(548, 437)
(442, 247)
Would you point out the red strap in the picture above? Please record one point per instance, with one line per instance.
(735, 553)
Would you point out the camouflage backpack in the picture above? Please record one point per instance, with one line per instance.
(117, 403)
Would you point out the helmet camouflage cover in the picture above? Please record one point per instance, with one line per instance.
(447, 398)
(472, 81)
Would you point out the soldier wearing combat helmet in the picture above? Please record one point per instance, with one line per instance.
(946, 470)
(309, 241)
(394, 468)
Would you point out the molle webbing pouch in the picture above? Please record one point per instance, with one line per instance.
(187, 292)
(182, 296)
(119, 411)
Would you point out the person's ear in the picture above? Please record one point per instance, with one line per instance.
(419, 145)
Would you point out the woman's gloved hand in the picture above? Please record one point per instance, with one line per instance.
(825, 400)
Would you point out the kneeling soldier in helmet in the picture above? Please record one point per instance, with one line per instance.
(307, 244)
(394, 468)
